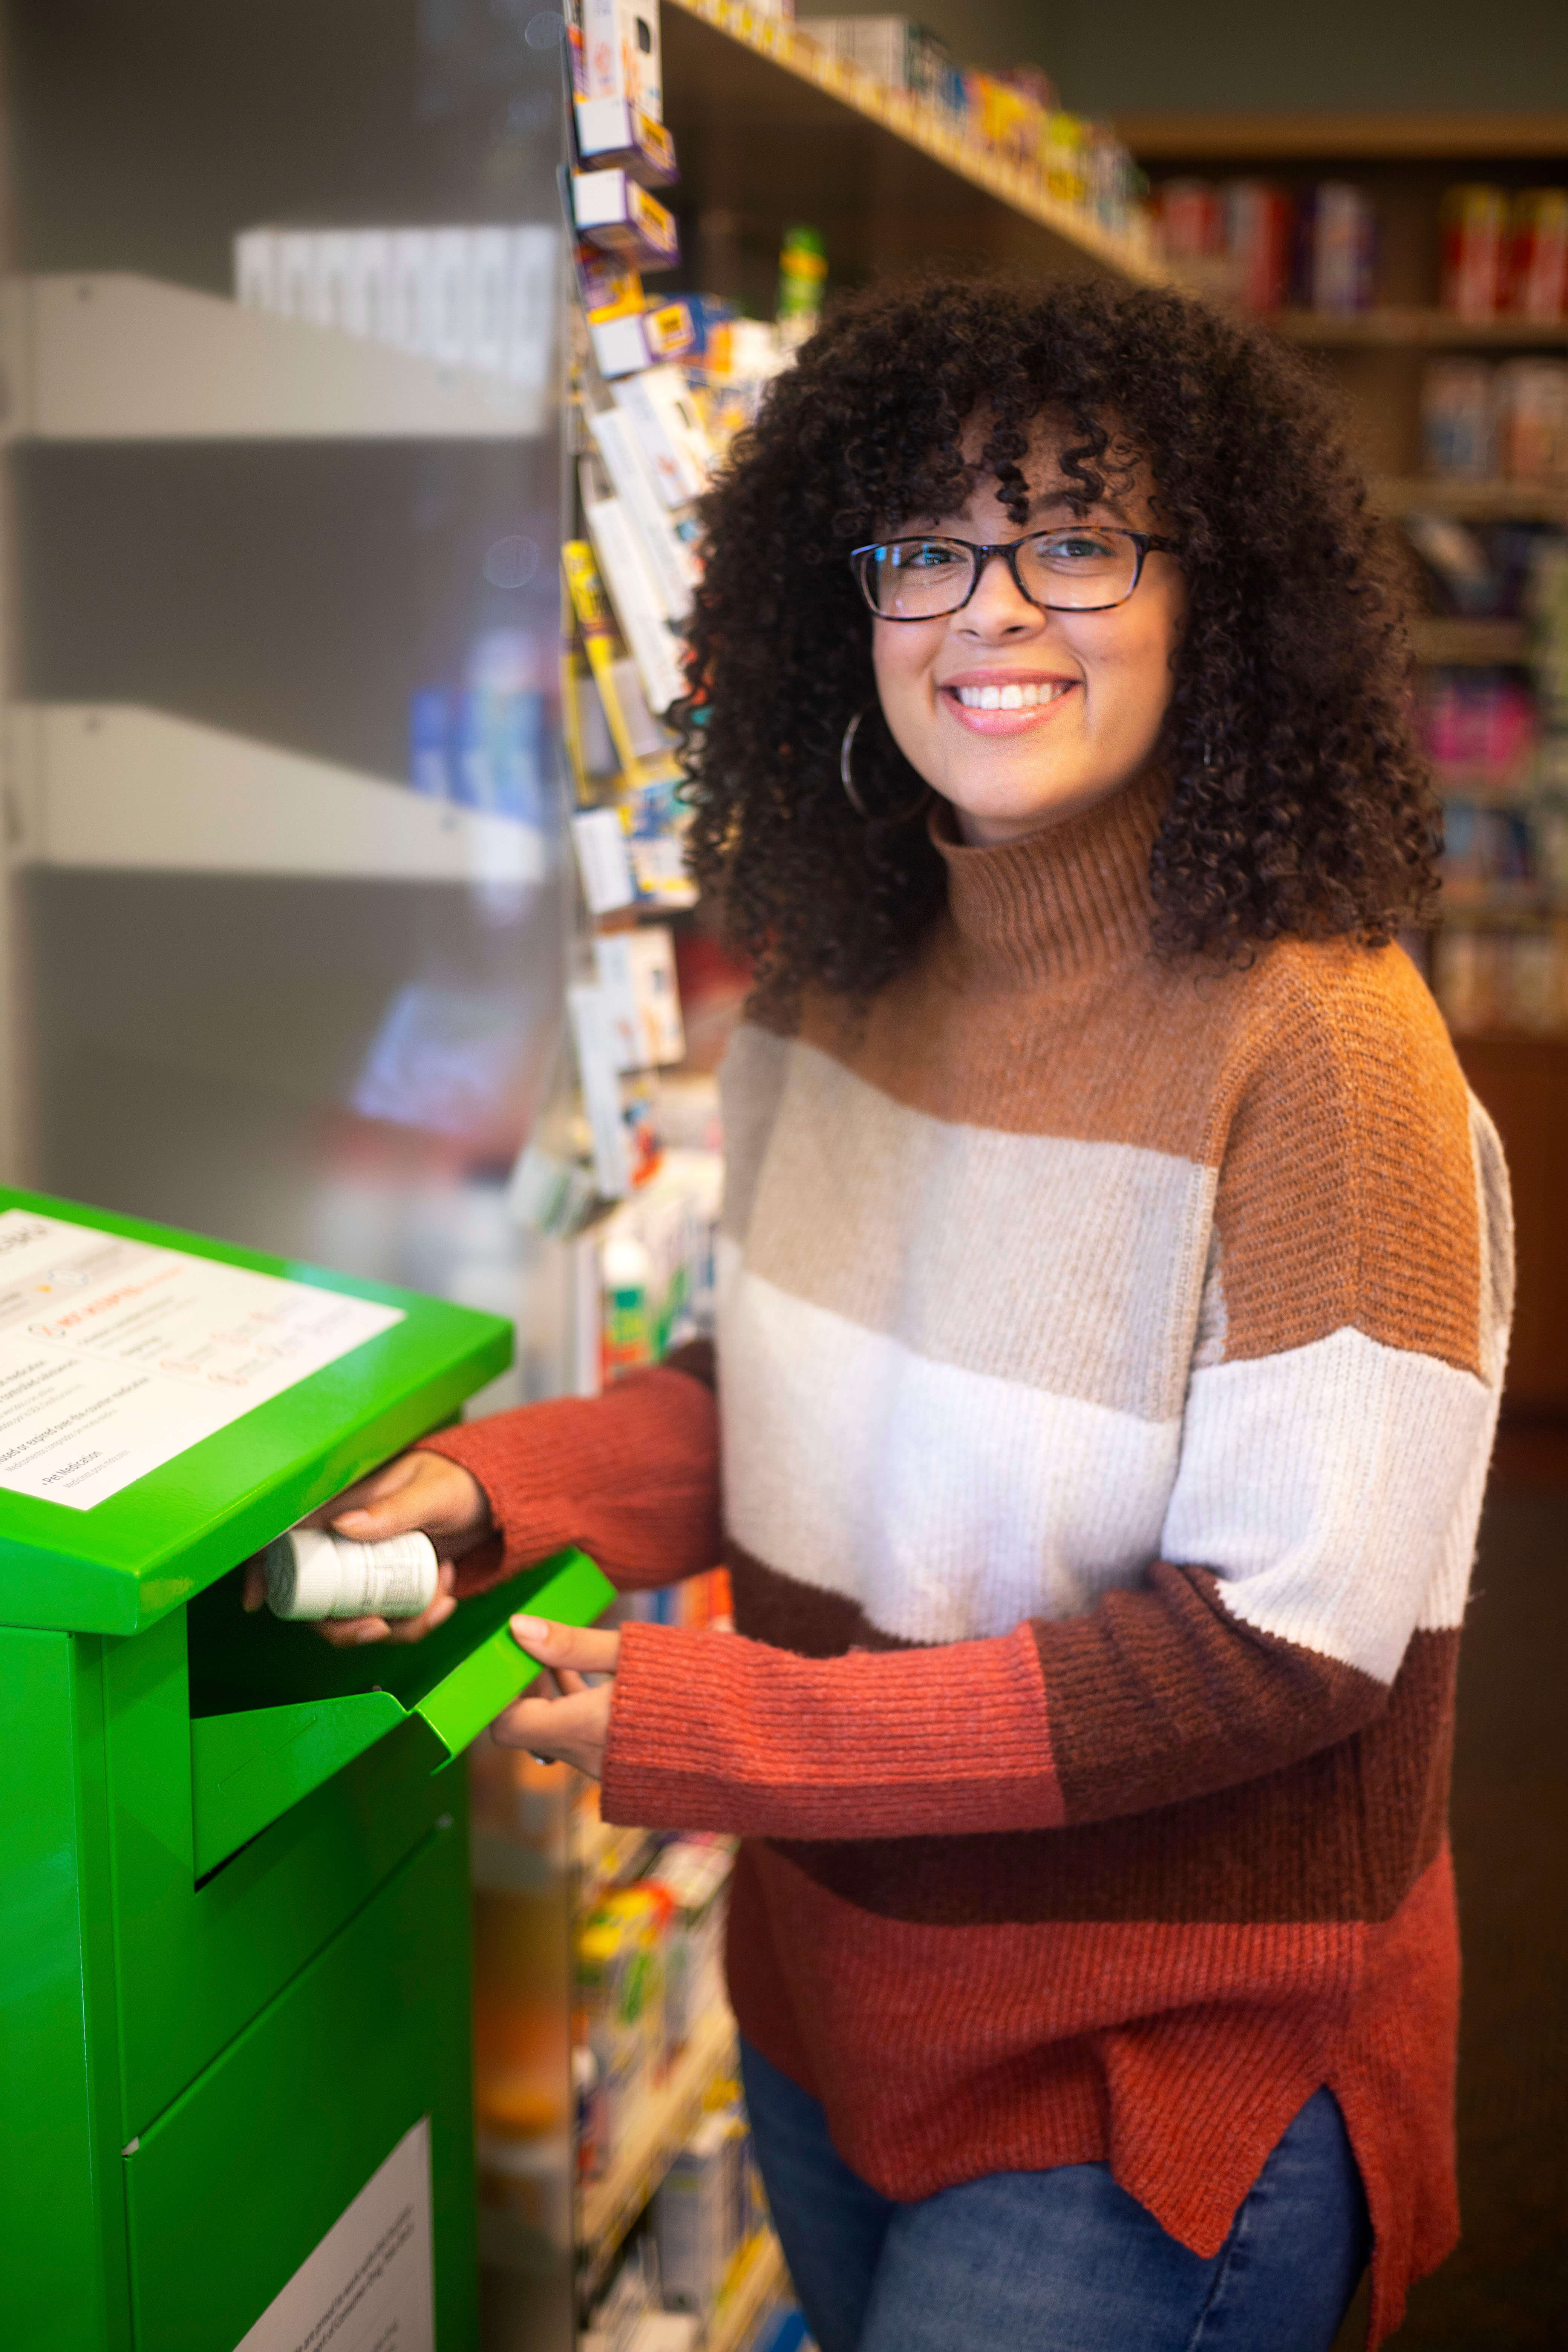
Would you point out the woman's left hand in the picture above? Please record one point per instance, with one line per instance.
(562, 1717)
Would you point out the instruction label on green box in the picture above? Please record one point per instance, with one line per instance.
(116, 1355)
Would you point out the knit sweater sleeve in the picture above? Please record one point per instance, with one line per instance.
(631, 1477)
(1336, 1430)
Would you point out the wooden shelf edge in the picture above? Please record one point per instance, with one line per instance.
(790, 47)
(1153, 133)
(1505, 643)
(1483, 501)
(1394, 327)
(759, 2279)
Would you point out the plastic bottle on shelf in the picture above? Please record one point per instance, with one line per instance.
(802, 276)
(627, 1332)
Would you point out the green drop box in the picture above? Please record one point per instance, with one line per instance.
(234, 1905)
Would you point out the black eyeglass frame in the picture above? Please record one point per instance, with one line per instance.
(1144, 541)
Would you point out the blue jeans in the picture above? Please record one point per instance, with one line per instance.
(1058, 2261)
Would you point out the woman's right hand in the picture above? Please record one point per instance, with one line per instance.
(416, 1492)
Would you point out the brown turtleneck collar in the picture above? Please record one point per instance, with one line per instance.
(1073, 895)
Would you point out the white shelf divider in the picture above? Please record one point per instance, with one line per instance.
(112, 786)
(114, 357)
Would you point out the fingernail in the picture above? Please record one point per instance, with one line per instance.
(371, 1633)
(531, 1632)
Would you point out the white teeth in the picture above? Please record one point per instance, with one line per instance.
(1031, 696)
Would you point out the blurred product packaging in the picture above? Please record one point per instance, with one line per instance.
(1475, 221)
(1337, 249)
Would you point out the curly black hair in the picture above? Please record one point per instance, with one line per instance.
(1298, 803)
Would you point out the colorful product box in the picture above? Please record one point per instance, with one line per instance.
(1474, 224)
(1538, 260)
(620, 53)
(1337, 249)
(612, 211)
(1260, 224)
(614, 134)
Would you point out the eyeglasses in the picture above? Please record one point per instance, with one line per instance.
(1086, 569)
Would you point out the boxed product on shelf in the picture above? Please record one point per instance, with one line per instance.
(657, 820)
(1479, 729)
(614, 210)
(667, 540)
(695, 2211)
(636, 969)
(1488, 853)
(619, 1111)
(639, 607)
(620, 1989)
(1238, 240)
(612, 131)
(1459, 419)
(644, 1271)
(615, 52)
(634, 733)
(1475, 226)
(1259, 223)
(695, 1873)
(1532, 419)
(1191, 219)
(607, 286)
(672, 432)
(895, 50)
(1337, 249)
(803, 279)
(1509, 980)
(1538, 255)
(1012, 123)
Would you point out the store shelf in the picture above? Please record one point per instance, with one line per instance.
(658, 2131)
(1481, 502)
(113, 786)
(758, 2279)
(1525, 910)
(889, 180)
(119, 358)
(1435, 330)
(1157, 134)
(613, 1858)
(1471, 641)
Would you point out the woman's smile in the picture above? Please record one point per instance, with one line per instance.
(1001, 701)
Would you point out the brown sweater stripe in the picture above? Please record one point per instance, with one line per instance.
(1342, 1835)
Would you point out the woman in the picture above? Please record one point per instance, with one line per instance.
(1113, 1304)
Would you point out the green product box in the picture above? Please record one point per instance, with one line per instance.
(233, 1904)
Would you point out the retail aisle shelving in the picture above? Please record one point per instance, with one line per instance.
(115, 787)
(739, 80)
(1474, 501)
(1482, 641)
(114, 357)
(1324, 133)
(757, 2280)
(658, 2130)
(1431, 330)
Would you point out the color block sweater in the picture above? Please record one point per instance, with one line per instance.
(1108, 1357)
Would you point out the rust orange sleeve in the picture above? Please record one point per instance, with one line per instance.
(631, 1477)
(708, 1730)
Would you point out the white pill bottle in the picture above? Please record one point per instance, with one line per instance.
(313, 1573)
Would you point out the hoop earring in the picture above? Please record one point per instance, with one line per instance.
(851, 790)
